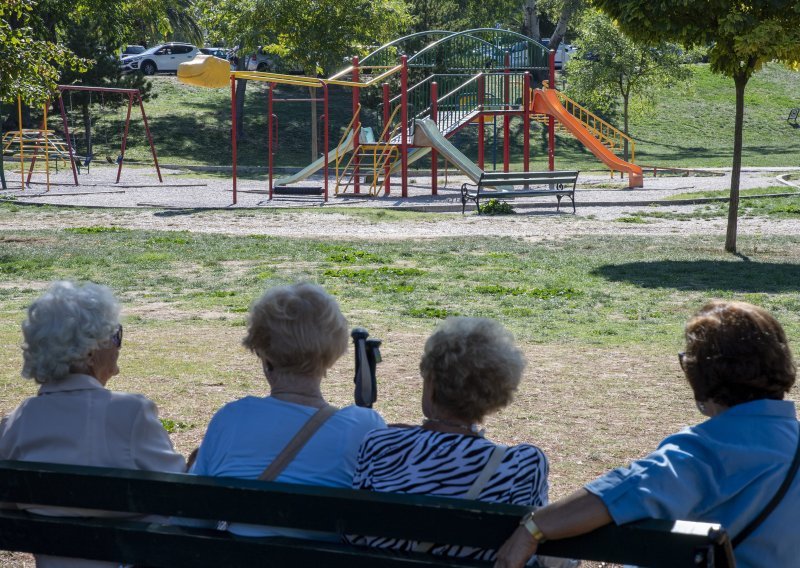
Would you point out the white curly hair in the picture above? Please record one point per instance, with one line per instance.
(63, 326)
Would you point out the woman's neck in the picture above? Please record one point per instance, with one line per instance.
(454, 426)
(297, 389)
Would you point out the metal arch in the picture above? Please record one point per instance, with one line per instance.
(404, 39)
(490, 52)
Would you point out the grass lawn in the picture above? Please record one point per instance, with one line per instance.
(599, 318)
(688, 127)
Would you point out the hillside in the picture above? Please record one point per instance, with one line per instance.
(691, 127)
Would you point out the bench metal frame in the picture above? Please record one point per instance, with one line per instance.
(504, 184)
(338, 511)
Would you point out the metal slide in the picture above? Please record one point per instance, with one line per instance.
(545, 101)
(427, 134)
(316, 165)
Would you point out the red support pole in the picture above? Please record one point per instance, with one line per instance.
(356, 129)
(233, 133)
(434, 153)
(506, 115)
(124, 137)
(270, 127)
(325, 138)
(149, 137)
(526, 122)
(404, 126)
(481, 125)
(551, 121)
(387, 114)
(66, 137)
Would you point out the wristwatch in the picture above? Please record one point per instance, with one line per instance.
(531, 526)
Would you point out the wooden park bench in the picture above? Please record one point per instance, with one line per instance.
(505, 185)
(793, 115)
(336, 511)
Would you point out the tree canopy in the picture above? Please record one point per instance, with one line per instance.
(743, 36)
(610, 67)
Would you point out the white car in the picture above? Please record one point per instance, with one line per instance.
(563, 53)
(165, 57)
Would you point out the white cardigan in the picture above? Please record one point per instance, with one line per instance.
(76, 420)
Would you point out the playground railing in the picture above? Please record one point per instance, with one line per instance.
(612, 137)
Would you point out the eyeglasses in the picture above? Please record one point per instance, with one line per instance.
(681, 357)
(116, 339)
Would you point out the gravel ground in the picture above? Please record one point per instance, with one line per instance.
(189, 201)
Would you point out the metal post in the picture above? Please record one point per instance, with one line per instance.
(551, 121)
(124, 137)
(356, 129)
(149, 136)
(404, 126)
(434, 153)
(21, 145)
(387, 113)
(506, 116)
(481, 118)
(233, 132)
(2, 165)
(326, 149)
(270, 126)
(46, 142)
(526, 121)
(66, 136)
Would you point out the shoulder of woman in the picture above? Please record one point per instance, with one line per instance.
(363, 415)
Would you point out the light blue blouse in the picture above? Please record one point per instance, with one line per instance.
(724, 470)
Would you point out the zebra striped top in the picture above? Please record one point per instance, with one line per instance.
(415, 460)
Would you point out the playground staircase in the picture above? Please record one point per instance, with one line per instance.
(611, 137)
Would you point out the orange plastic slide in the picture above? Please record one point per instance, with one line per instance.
(545, 101)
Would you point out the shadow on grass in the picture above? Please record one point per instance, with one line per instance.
(733, 276)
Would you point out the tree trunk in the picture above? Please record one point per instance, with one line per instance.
(625, 101)
(567, 10)
(87, 128)
(740, 81)
(531, 20)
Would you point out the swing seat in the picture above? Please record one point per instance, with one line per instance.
(83, 161)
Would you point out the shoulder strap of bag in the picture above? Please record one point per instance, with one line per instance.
(754, 524)
(296, 444)
(491, 466)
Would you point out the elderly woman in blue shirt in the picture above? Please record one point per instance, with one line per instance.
(724, 470)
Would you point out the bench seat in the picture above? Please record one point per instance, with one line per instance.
(505, 185)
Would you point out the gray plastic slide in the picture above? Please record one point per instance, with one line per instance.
(313, 167)
(426, 133)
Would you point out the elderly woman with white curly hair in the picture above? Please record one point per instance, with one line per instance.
(470, 369)
(293, 434)
(72, 340)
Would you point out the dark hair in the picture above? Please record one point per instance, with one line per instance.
(737, 352)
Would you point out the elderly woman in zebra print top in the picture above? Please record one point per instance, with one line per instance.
(470, 369)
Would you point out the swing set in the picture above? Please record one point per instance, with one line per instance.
(49, 144)
(134, 97)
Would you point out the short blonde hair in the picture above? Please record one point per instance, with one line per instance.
(473, 367)
(299, 329)
(63, 326)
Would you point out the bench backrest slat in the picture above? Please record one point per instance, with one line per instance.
(339, 511)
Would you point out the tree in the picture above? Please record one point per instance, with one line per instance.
(744, 35)
(29, 68)
(612, 66)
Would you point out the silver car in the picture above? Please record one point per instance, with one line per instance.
(165, 57)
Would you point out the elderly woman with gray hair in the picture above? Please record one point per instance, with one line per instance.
(292, 434)
(470, 369)
(72, 340)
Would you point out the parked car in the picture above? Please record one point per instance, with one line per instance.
(132, 50)
(165, 57)
(261, 61)
(563, 53)
(220, 52)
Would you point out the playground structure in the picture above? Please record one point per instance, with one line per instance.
(47, 143)
(453, 79)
